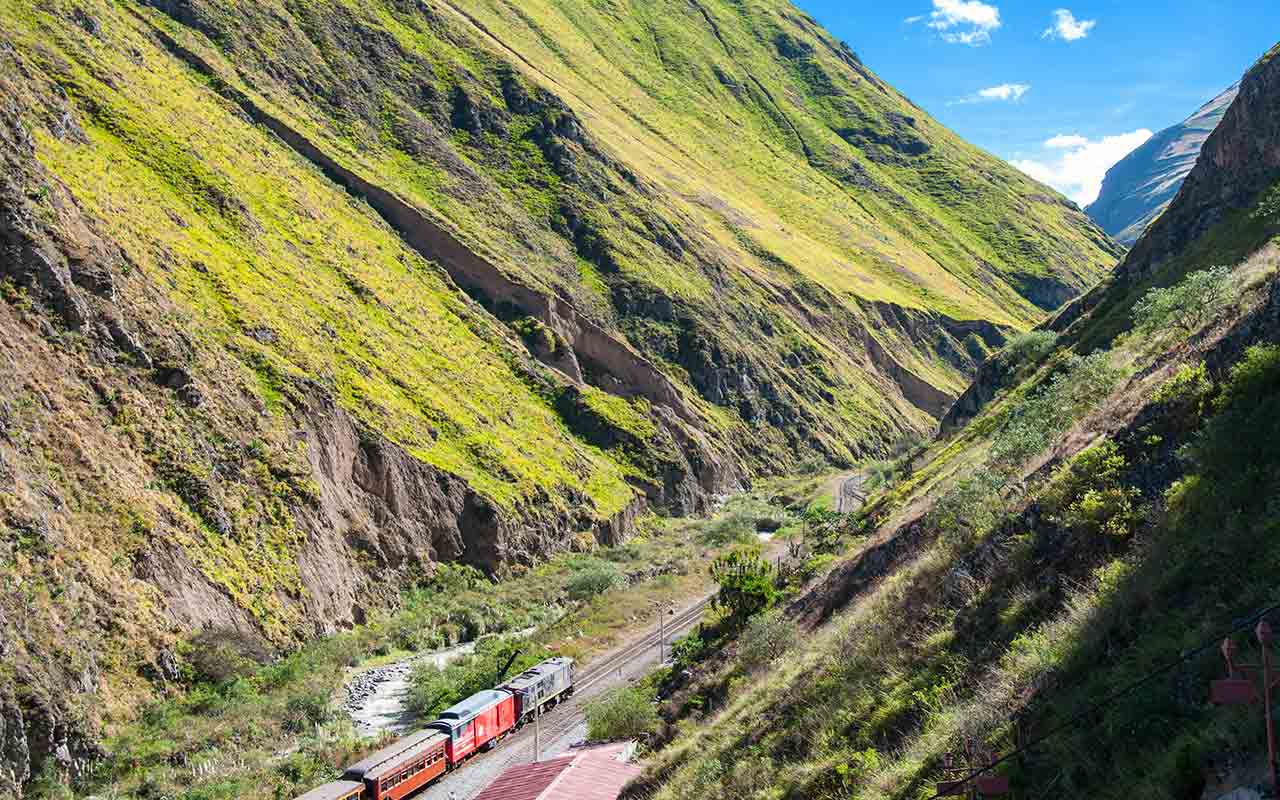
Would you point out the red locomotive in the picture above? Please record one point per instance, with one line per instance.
(477, 723)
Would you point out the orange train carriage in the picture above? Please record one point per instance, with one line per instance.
(418, 760)
(477, 723)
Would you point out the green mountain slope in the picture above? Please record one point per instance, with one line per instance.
(303, 299)
(1044, 590)
(1138, 189)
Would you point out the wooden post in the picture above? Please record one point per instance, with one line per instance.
(1264, 638)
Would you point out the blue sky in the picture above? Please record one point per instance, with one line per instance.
(1093, 79)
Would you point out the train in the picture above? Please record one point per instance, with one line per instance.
(476, 724)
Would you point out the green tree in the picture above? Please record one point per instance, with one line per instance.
(1031, 347)
(624, 713)
(1187, 307)
(688, 650)
(766, 639)
(746, 584)
(596, 577)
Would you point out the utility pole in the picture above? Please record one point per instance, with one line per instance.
(537, 731)
(662, 634)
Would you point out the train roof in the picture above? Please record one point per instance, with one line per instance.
(473, 705)
(538, 671)
(358, 769)
(335, 790)
(393, 764)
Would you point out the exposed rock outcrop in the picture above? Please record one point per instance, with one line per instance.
(1239, 159)
(1137, 189)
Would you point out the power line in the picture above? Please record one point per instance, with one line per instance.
(1118, 694)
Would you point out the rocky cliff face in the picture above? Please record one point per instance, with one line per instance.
(1239, 160)
(1137, 189)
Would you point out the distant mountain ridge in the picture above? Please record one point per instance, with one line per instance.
(1138, 188)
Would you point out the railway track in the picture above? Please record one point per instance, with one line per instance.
(470, 777)
(603, 669)
(851, 494)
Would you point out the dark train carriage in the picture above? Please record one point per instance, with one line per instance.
(356, 771)
(407, 771)
(541, 686)
(337, 790)
(477, 722)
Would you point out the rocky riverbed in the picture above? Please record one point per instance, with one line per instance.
(378, 698)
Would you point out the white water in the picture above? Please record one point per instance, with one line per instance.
(378, 698)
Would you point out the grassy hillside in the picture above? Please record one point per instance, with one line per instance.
(721, 168)
(1050, 584)
(1059, 575)
(301, 300)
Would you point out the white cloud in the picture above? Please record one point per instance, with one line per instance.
(1066, 27)
(974, 38)
(962, 21)
(1077, 165)
(1004, 93)
(1062, 141)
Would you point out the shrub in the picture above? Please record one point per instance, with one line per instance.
(1188, 384)
(1088, 495)
(1236, 449)
(687, 651)
(1032, 425)
(879, 473)
(973, 504)
(536, 336)
(746, 584)
(822, 529)
(595, 578)
(1031, 347)
(1107, 512)
(1186, 396)
(432, 689)
(223, 655)
(739, 522)
(1188, 306)
(305, 710)
(624, 713)
(766, 639)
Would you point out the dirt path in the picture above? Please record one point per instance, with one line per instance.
(850, 493)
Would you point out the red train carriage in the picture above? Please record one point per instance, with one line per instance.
(337, 790)
(400, 767)
(477, 722)
(541, 686)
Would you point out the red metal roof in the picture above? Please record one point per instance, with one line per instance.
(525, 781)
(595, 773)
